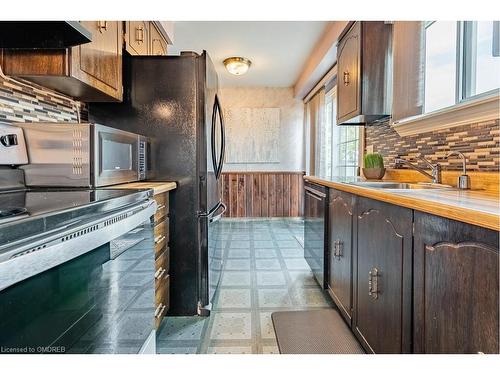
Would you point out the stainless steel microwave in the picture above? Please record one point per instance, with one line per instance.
(83, 155)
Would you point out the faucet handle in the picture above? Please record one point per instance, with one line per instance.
(427, 162)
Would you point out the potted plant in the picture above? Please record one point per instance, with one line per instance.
(373, 166)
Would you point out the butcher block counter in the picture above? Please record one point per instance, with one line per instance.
(477, 207)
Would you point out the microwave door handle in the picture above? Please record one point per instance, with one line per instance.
(223, 139)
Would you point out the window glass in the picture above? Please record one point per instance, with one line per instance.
(440, 65)
(485, 57)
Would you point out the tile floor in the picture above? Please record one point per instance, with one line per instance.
(264, 271)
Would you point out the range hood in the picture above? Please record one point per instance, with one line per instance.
(42, 34)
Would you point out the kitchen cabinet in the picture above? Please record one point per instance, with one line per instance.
(382, 277)
(158, 44)
(137, 36)
(144, 38)
(364, 55)
(162, 256)
(89, 72)
(341, 208)
(455, 287)
(408, 69)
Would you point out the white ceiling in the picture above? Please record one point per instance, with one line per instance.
(278, 49)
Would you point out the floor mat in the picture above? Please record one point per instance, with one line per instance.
(313, 332)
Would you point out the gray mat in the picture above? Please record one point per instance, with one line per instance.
(314, 332)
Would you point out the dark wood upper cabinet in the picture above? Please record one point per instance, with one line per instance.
(455, 287)
(89, 72)
(341, 211)
(364, 59)
(383, 258)
(408, 69)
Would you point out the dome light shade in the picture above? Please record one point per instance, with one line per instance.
(237, 65)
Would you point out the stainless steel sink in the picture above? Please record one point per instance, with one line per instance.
(400, 185)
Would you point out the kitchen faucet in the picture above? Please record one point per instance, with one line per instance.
(435, 175)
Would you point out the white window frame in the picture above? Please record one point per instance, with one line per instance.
(467, 109)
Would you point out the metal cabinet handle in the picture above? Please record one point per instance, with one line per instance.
(373, 289)
(139, 34)
(159, 240)
(160, 207)
(337, 249)
(102, 26)
(347, 79)
(160, 309)
(159, 273)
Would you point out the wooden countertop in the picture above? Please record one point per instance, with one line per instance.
(158, 187)
(475, 207)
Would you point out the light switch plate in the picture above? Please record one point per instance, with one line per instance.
(369, 149)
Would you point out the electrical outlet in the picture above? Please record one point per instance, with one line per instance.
(369, 149)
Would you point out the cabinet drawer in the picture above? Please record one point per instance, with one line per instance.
(162, 297)
(162, 268)
(161, 236)
(163, 208)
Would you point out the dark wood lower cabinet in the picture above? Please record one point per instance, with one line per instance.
(455, 287)
(382, 276)
(339, 280)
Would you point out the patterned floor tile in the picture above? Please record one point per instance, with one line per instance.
(290, 244)
(263, 244)
(237, 264)
(231, 326)
(309, 297)
(238, 253)
(267, 264)
(270, 278)
(235, 278)
(182, 328)
(302, 278)
(266, 326)
(177, 350)
(274, 298)
(240, 237)
(234, 298)
(239, 244)
(265, 253)
(296, 264)
(270, 349)
(292, 253)
(230, 350)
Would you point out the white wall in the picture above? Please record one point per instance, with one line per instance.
(291, 148)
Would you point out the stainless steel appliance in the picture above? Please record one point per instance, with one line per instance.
(77, 272)
(82, 155)
(315, 229)
(175, 101)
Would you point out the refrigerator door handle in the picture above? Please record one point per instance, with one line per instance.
(212, 136)
(217, 217)
(223, 139)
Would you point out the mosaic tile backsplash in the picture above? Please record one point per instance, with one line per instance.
(22, 101)
(479, 142)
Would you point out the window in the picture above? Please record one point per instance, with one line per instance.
(338, 146)
(462, 61)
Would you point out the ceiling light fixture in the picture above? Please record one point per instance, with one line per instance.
(237, 65)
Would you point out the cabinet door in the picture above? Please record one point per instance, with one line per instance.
(158, 44)
(340, 254)
(348, 63)
(137, 35)
(382, 319)
(99, 63)
(455, 287)
(408, 69)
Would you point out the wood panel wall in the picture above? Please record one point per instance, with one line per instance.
(263, 194)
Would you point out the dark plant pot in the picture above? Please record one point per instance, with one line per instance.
(374, 173)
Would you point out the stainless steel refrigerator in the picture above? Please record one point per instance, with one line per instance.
(174, 100)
